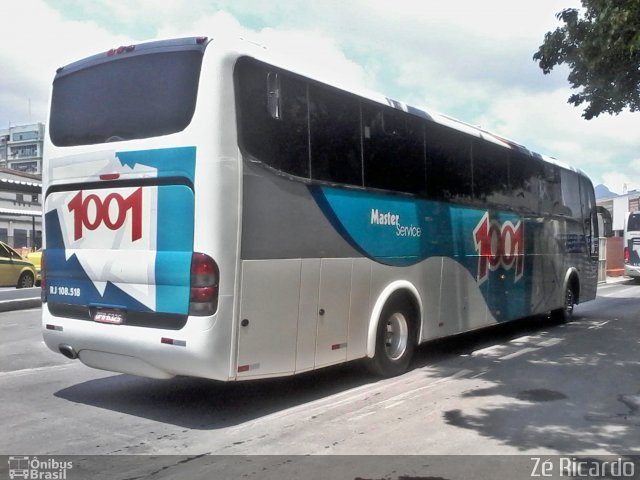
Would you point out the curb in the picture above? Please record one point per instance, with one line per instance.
(20, 304)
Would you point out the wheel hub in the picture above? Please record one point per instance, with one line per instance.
(396, 336)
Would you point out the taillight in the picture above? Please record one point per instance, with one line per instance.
(205, 277)
(43, 277)
(627, 257)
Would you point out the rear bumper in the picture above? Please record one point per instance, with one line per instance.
(200, 349)
(632, 271)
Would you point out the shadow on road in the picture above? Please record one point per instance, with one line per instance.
(576, 396)
(206, 404)
(555, 393)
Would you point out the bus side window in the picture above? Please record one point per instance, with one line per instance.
(550, 191)
(273, 124)
(274, 99)
(570, 183)
(448, 155)
(524, 181)
(393, 143)
(335, 136)
(590, 216)
(491, 173)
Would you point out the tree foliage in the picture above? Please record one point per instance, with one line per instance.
(600, 44)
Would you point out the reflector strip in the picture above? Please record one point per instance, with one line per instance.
(338, 346)
(57, 328)
(109, 176)
(173, 341)
(246, 368)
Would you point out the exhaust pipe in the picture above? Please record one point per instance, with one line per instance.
(68, 351)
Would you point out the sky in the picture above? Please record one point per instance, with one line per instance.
(467, 59)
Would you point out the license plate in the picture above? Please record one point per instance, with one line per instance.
(115, 317)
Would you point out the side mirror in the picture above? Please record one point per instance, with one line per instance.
(605, 220)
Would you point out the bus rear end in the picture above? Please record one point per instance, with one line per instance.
(632, 245)
(124, 287)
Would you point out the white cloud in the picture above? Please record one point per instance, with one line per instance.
(472, 60)
(620, 183)
(30, 56)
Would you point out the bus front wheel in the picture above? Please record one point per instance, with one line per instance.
(395, 339)
(565, 314)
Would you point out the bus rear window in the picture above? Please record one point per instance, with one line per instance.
(129, 98)
(633, 225)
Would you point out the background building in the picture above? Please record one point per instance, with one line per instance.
(20, 210)
(619, 206)
(21, 186)
(21, 148)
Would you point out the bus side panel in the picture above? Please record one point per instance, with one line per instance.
(269, 317)
(360, 309)
(462, 306)
(333, 311)
(308, 314)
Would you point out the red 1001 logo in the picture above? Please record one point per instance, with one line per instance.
(499, 245)
(84, 216)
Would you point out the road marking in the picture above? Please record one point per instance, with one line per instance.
(360, 416)
(28, 371)
(395, 404)
(519, 352)
(552, 342)
(619, 292)
(489, 351)
(598, 325)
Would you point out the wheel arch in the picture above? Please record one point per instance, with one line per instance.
(26, 271)
(395, 289)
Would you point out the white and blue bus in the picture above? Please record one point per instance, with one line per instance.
(632, 245)
(213, 212)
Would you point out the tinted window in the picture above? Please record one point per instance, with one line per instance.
(550, 189)
(273, 131)
(335, 136)
(393, 144)
(491, 173)
(133, 97)
(590, 214)
(524, 179)
(633, 225)
(448, 154)
(570, 183)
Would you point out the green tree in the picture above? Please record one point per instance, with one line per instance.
(600, 44)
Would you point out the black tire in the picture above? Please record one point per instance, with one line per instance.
(395, 339)
(565, 314)
(26, 280)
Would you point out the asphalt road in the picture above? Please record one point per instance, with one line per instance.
(529, 388)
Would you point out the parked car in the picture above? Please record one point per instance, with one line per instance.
(15, 271)
(36, 259)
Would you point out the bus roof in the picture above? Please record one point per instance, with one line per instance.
(239, 47)
(244, 47)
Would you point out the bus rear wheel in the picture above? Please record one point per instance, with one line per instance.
(395, 339)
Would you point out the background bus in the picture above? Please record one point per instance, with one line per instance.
(632, 245)
(211, 211)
